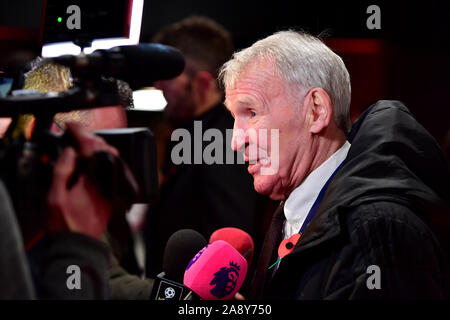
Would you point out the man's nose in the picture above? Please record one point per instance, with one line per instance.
(240, 138)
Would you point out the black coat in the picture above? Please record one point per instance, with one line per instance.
(378, 210)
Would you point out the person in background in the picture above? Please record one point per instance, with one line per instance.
(203, 197)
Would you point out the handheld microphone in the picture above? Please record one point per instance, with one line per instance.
(238, 238)
(139, 65)
(216, 272)
(180, 248)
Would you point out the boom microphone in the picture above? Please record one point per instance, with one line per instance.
(139, 65)
(238, 238)
(180, 248)
(216, 272)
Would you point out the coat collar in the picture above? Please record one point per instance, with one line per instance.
(391, 158)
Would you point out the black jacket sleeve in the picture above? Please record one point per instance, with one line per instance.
(74, 266)
(391, 254)
(15, 276)
(126, 286)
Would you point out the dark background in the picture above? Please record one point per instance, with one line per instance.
(407, 60)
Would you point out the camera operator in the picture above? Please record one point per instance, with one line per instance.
(78, 218)
(124, 272)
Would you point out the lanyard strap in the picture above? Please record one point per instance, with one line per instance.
(311, 213)
(319, 198)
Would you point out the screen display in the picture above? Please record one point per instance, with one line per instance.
(85, 20)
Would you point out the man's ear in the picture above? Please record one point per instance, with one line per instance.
(320, 110)
(202, 82)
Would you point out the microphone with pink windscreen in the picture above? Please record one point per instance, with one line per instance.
(216, 272)
(238, 239)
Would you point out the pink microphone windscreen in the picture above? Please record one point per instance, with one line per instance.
(238, 239)
(216, 272)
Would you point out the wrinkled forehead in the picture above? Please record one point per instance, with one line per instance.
(256, 67)
(257, 82)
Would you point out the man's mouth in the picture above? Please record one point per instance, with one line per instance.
(251, 161)
(255, 165)
(253, 168)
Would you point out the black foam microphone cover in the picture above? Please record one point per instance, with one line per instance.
(179, 250)
(139, 65)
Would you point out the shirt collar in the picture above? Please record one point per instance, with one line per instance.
(300, 200)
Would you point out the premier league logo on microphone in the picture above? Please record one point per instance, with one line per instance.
(217, 272)
(225, 280)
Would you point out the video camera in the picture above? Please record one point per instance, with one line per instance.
(26, 165)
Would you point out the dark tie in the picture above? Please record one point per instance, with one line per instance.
(269, 254)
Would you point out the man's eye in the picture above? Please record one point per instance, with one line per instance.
(252, 113)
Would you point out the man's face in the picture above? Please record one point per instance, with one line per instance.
(178, 94)
(261, 100)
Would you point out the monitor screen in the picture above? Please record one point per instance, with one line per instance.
(85, 20)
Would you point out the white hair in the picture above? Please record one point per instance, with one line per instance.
(304, 62)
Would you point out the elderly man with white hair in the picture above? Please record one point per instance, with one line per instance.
(356, 205)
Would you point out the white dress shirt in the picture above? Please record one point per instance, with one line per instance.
(301, 200)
